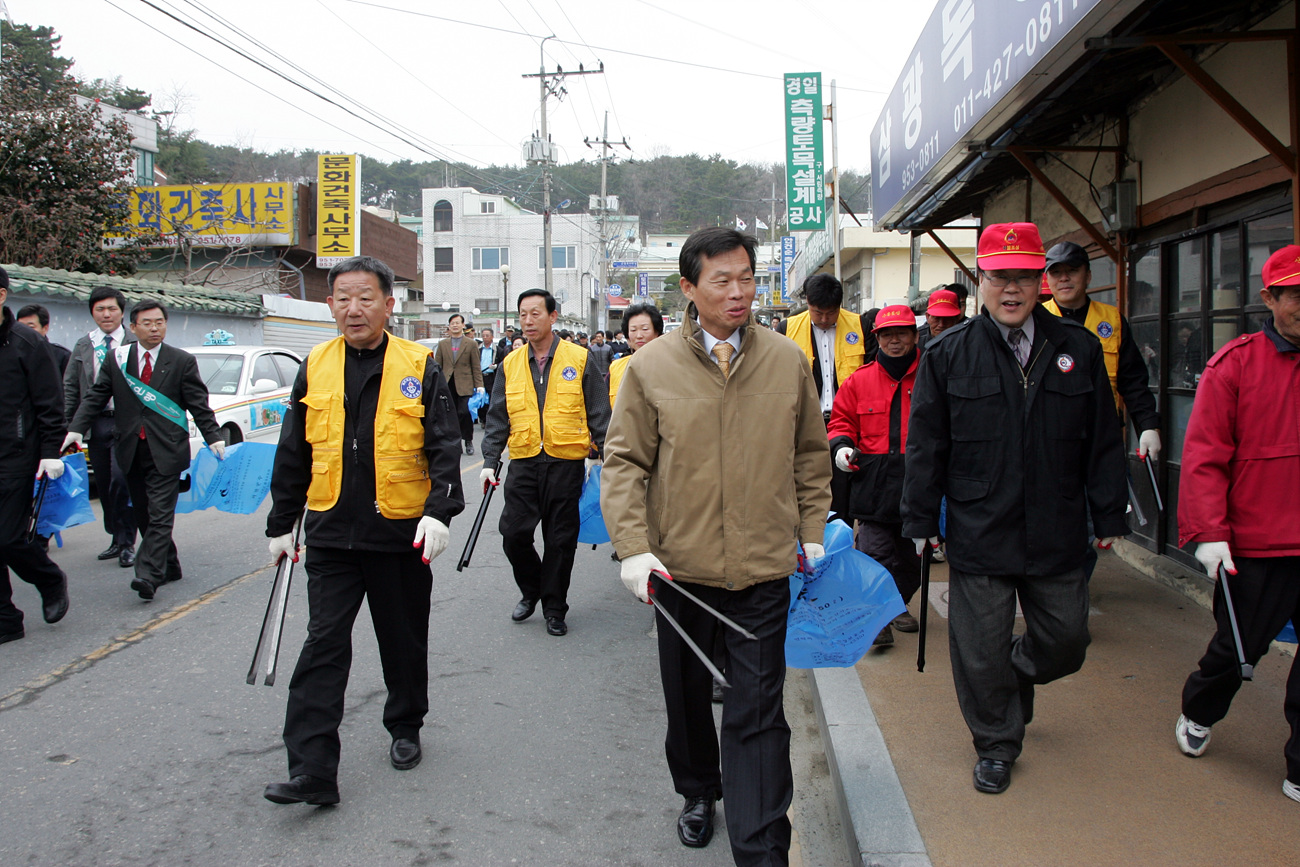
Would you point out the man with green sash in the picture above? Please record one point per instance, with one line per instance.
(152, 385)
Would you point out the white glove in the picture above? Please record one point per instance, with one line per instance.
(434, 535)
(480, 390)
(635, 572)
(1105, 544)
(282, 546)
(73, 439)
(1149, 444)
(218, 449)
(812, 551)
(1212, 554)
(844, 459)
(920, 544)
(52, 467)
(488, 477)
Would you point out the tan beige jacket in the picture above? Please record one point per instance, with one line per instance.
(717, 478)
(460, 369)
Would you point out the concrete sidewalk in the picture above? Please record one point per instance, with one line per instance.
(1100, 780)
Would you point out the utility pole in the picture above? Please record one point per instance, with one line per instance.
(549, 83)
(593, 311)
(835, 182)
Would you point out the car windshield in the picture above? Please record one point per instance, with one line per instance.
(220, 373)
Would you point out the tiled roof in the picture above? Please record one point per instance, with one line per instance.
(78, 286)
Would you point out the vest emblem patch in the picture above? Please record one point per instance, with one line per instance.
(1104, 329)
(1064, 363)
(411, 387)
(569, 374)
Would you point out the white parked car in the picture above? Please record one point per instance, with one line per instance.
(248, 389)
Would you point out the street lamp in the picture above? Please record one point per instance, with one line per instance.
(505, 295)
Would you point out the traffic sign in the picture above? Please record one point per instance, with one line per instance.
(615, 290)
(631, 265)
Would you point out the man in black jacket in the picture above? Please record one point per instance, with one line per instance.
(361, 402)
(31, 427)
(1013, 420)
(37, 318)
(153, 386)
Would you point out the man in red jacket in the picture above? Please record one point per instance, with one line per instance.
(1239, 479)
(870, 415)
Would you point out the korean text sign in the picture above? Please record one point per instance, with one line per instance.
(212, 215)
(805, 172)
(338, 216)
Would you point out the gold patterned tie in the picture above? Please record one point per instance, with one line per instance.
(722, 351)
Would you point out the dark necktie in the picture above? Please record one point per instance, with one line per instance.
(145, 376)
(1016, 337)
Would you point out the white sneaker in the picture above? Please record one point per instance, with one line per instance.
(1291, 790)
(1192, 738)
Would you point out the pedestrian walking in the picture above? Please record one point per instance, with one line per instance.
(1240, 469)
(370, 447)
(37, 318)
(944, 309)
(644, 323)
(602, 353)
(152, 385)
(488, 361)
(717, 468)
(1013, 421)
(32, 423)
(457, 355)
(550, 408)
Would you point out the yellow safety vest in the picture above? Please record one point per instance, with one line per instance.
(563, 431)
(850, 345)
(1104, 321)
(616, 371)
(401, 467)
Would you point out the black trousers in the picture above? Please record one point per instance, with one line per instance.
(397, 587)
(489, 380)
(1265, 595)
(989, 664)
(110, 481)
(462, 413)
(754, 776)
(28, 559)
(544, 492)
(886, 544)
(153, 498)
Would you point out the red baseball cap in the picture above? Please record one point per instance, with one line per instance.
(895, 316)
(943, 303)
(1011, 246)
(1283, 267)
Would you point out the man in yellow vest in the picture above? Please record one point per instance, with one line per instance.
(836, 341)
(549, 407)
(371, 447)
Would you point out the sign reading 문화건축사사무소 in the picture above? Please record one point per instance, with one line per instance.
(805, 170)
(338, 211)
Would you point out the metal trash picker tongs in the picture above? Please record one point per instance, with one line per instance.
(1247, 670)
(268, 640)
(472, 541)
(667, 579)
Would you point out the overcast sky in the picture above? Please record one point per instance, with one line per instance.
(680, 77)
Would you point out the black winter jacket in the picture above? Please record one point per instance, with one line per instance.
(1019, 455)
(31, 400)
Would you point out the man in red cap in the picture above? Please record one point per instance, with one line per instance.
(870, 417)
(944, 309)
(1239, 480)
(1013, 421)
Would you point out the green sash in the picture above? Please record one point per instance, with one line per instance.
(150, 398)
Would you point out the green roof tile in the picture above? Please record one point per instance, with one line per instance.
(76, 285)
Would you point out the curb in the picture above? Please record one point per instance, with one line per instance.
(879, 827)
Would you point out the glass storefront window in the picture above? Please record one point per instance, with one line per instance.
(1224, 329)
(1103, 271)
(1180, 412)
(1144, 291)
(1264, 237)
(1185, 276)
(1146, 335)
(1186, 353)
(1225, 269)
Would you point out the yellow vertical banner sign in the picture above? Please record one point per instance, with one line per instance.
(338, 208)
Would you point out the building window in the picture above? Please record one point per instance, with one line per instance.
(442, 217)
(487, 207)
(562, 258)
(489, 258)
(442, 259)
(488, 305)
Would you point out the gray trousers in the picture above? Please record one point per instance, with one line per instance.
(990, 665)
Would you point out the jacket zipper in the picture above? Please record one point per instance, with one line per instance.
(1024, 374)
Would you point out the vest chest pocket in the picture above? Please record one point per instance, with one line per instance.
(975, 407)
(408, 425)
(319, 414)
(873, 425)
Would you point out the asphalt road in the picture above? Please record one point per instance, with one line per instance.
(128, 734)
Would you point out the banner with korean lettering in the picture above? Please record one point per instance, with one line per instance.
(211, 215)
(787, 259)
(338, 208)
(805, 172)
(970, 58)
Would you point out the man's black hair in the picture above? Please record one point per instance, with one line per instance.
(539, 293)
(147, 304)
(656, 318)
(368, 264)
(711, 242)
(460, 316)
(42, 315)
(824, 291)
(961, 291)
(106, 293)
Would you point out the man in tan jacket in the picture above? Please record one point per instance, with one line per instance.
(716, 468)
(457, 355)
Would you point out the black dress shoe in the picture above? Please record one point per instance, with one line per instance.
(144, 588)
(405, 753)
(695, 824)
(109, 553)
(992, 776)
(57, 605)
(7, 637)
(303, 789)
(469, 447)
(126, 557)
(556, 626)
(523, 610)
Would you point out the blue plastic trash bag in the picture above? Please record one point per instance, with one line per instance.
(836, 612)
(1287, 635)
(67, 499)
(477, 402)
(238, 484)
(592, 530)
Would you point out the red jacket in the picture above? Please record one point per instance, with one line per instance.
(860, 419)
(1240, 478)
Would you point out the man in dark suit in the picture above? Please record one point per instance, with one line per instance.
(153, 443)
(37, 318)
(107, 308)
(457, 354)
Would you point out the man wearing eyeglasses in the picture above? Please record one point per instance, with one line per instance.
(1014, 422)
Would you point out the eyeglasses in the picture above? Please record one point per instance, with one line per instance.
(1032, 281)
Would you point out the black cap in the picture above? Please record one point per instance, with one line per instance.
(4, 279)
(1067, 253)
